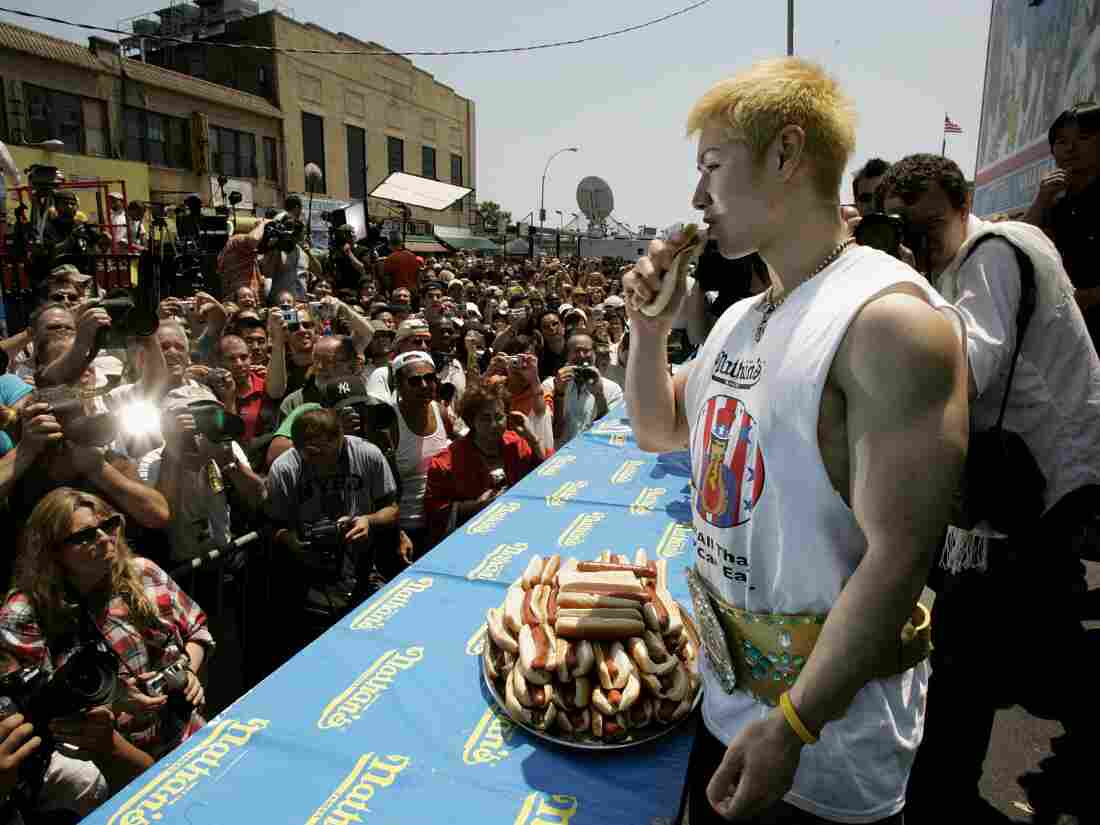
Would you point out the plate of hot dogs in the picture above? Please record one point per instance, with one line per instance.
(593, 654)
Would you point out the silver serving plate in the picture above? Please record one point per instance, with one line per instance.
(636, 737)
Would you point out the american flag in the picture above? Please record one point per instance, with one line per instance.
(951, 127)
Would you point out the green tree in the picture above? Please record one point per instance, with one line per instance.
(490, 213)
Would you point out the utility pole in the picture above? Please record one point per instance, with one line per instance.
(790, 28)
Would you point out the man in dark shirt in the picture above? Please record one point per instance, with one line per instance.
(1067, 206)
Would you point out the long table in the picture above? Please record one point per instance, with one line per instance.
(385, 718)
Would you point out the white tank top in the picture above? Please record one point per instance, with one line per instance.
(414, 454)
(772, 534)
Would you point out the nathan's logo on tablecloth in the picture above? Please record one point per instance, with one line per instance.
(491, 517)
(546, 809)
(364, 691)
(579, 528)
(493, 564)
(570, 489)
(475, 645)
(486, 744)
(175, 780)
(385, 605)
(674, 540)
(627, 471)
(355, 790)
(552, 466)
(647, 499)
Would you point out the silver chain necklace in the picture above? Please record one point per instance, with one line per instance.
(769, 305)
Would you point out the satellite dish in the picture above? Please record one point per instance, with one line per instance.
(595, 199)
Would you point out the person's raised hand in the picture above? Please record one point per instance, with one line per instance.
(1051, 187)
(642, 283)
(40, 428)
(17, 742)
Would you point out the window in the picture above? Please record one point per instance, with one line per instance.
(357, 162)
(395, 150)
(271, 159)
(456, 178)
(428, 161)
(80, 123)
(313, 144)
(232, 153)
(157, 139)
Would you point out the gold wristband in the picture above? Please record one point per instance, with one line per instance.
(791, 715)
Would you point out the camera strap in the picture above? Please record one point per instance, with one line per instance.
(87, 618)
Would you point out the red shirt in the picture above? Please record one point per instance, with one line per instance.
(460, 473)
(250, 407)
(402, 270)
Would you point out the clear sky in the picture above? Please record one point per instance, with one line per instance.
(623, 101)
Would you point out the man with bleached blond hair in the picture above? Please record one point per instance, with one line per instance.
(827, 424)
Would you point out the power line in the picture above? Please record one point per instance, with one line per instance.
(366, 52)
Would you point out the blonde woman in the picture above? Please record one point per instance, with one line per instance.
(74, 564)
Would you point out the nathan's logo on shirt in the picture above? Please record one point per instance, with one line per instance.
(185, 772)
(646, 500)
(486, 744)
(568, 490)
(737, 372)
(546, 809)
(365, 690)
(355, 790)
(674, 540)
(627, 471)
(579, 528)
(729, 478)
(493, 564)
(389, 603)
(475, 645)
(551, 467)
(493, 515)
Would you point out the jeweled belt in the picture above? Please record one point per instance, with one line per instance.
(763, 653)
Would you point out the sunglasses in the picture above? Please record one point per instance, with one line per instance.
(307, 325)
(89, 534)
(64, 298)
(422, 380)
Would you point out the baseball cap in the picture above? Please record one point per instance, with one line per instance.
(410, 327)
(615, 301)
(344, 391)
(115, 196)
(68, 272)
(574, 311)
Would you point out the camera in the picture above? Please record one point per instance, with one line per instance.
(281, 235)
(325, 546)
(88, 679)
(881, 231)
(67, 406)
(586, 374)
(171, 679)
(127, 319)
(176, 712)
(292, 317)
(214, 423)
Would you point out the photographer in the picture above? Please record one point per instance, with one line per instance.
(59, 227)
(581, 394)
(327, 483)
(344, 264)
(1014, 545)
(199, 462)
(248, 396)
(78, 586)
(285, 263)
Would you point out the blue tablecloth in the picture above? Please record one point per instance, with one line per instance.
(385, 718)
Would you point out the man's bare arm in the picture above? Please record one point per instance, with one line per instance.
(902, 369)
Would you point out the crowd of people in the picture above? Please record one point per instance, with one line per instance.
(356, 410)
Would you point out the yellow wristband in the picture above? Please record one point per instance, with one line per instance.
(791, 716)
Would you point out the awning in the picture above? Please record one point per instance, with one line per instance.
(470, 242)
(424, 244)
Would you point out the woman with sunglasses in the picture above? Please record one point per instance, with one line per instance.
(496, 453)
(74, 570)
(423, 433)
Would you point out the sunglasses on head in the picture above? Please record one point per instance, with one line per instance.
(426, 379)
(89, 534)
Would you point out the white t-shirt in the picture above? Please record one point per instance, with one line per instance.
(200, 518)
(580, 406)
(773, 535)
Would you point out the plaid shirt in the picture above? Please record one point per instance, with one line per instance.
(180, 621)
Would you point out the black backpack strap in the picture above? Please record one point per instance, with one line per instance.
(1028, 300)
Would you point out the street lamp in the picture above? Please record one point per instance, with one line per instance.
(542, 189)
(561, 219)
